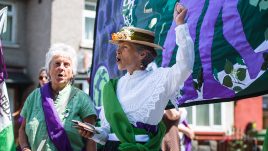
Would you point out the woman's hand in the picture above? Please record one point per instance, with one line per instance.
(90, 145)
(84, 133)
(179, 14)
(87, 134)
(186, 130)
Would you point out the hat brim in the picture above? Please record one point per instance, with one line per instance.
(155, 46)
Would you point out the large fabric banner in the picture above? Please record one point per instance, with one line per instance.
(7, 142)
(230, 37)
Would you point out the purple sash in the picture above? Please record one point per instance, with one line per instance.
(187, 140)
(149, 128)
(55, 128)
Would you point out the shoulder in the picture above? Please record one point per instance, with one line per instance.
(161, 69)
(79, 93)
(82, 102)
(80, 96)
(158, 73)
(33, 101)
(35, 93)
(158, 70)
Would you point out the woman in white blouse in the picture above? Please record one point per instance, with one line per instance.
(133, 106)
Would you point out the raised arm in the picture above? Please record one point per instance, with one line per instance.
(182, 69)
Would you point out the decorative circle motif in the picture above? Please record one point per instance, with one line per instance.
(100, 79)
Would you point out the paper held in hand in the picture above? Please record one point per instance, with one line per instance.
(85, 126)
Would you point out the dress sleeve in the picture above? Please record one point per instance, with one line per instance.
(28, 105)
(104, 129)
(183, 67)
(25, 107)
(87, 106)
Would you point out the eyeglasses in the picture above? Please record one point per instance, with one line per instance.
(42, 77)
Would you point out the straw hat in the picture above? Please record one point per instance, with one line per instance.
(135, 35)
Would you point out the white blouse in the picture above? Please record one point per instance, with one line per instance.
(145, 94)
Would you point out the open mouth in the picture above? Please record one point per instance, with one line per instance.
(60, 75)
(118, 59)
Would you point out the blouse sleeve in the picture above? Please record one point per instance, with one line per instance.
(182, 69)
(104, 129)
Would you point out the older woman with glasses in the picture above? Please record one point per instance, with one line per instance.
(48, 110)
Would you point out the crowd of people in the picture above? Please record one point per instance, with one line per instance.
(133, 115)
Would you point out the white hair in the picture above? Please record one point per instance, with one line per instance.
(63, 50)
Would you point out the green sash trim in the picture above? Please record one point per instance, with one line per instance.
(122, 127)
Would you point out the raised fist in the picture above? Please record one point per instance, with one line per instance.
(179, 14)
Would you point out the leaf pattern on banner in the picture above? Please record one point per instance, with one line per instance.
(234, 76)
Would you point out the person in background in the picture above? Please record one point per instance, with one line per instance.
(49, 110)
(171, 140)
(250, 134)
(133, 106)
(43, 77)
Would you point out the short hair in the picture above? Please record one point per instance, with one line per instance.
(63, 50)
(41, 70)
(150, 55)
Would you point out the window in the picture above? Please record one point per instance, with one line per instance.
(265, 102)
(84, 58)
(89, 15)
(208, 117)
(9, 36)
